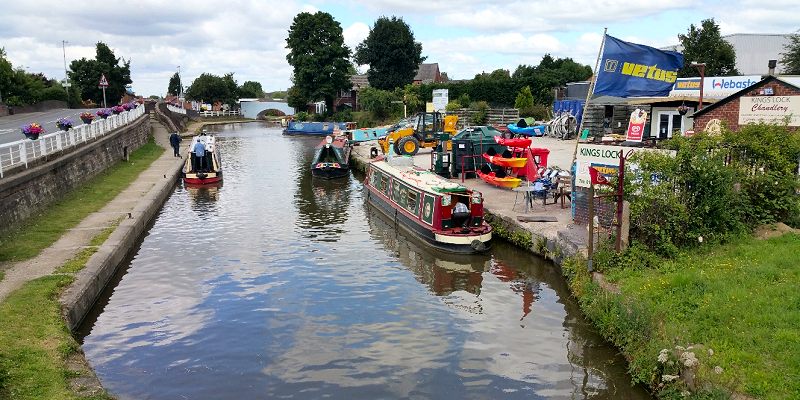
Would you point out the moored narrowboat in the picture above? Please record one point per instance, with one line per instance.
(331, 158)
(316, 128)
(444, 214)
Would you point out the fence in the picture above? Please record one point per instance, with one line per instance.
(175, 109)
(219, 113)
(23, 152)
(494, 116)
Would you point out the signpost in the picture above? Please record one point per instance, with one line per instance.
(103, 85)
(440, 99)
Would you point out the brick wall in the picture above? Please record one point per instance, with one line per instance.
(26, 193)
(728, 113)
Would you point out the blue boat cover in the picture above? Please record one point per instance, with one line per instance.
(574, 107)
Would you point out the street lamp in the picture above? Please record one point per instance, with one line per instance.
(702, 68)
(66, 77)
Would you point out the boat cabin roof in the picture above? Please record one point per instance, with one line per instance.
(419, 178)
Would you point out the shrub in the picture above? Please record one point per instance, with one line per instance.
(537, 111)
(481, 109)
(342, 116)
(301, 116)
(453, 106)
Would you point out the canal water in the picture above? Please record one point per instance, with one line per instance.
(277, 285)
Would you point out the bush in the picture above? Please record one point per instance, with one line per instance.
(453, 106)
(481, 110)
(342, 116)
(301, 116)
(537, 111)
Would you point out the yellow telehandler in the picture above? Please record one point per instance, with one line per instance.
(426, 129)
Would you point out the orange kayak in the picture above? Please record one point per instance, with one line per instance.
(515, 162)
(507, 182)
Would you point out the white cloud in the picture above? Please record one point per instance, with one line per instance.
(355, 34)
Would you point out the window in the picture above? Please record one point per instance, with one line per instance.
(668, 123)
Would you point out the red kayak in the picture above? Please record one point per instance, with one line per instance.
(504, 182)
(514, 142)
(512, 162)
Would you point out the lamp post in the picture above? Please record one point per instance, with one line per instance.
(702, 68)
(66, 77)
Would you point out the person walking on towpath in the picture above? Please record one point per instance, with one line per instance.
(175, 142)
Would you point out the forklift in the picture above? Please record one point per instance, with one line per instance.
(426, 129)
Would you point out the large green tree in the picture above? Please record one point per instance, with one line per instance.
(319, 57)
(791, 58)
(86, 75)
(174, 86)
(391, 53)
(211, 88)
(251, 89)
(704, 44)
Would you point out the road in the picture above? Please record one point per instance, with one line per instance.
(10, 126)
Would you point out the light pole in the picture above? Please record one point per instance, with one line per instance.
(702, 68)
(66, 77)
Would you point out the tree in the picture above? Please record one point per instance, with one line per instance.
(86, 75)
(791, 58)
(524, 98)
(295, 99)
(319, 57)
(211, 88)
(706, 45)
(391, 52)
(378, 101)
(174, 86)
(251, 89)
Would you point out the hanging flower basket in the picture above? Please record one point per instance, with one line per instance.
(32, 131)
(87, 117)
(682, 109)
(64, 124)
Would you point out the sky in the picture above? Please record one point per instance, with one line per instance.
(248, 37)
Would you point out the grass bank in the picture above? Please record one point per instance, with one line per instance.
(35, 344)
(713, 322)
(42, 230)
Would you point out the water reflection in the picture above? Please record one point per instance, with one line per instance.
(293, 289)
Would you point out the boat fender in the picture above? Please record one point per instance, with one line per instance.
(477, 245)
(373, 152)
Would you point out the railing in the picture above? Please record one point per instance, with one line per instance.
(177, 110)
(219, 113)
(26, 151)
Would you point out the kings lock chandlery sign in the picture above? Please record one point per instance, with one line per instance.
(769, 109)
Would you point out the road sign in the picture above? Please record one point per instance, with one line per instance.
(103, 81)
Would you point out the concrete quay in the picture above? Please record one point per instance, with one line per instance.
(552, 240)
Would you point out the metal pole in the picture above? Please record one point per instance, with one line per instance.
(620, 191)
(702, 78)
(104, 97)
(591, 226)
(589, 95)
(66, 77)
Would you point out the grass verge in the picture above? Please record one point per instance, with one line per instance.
(35, 342)
(42, 230)
(736, 304)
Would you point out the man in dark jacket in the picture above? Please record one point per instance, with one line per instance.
(175, 141)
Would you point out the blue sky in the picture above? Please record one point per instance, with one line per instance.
(247, 37)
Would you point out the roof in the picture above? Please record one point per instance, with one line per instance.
(426, 73)
(791, 81)
(753, 51)
(359, 81)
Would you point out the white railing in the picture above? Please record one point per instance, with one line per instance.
(25, 151)
(219, 113)
(176, 109)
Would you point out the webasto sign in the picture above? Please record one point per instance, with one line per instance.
(714, 87)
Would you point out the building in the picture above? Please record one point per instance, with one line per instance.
(428, 73)
(753, 51)
(772, 100)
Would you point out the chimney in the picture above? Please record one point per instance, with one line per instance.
(771, 65)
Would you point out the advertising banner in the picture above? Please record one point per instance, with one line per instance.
(635, 70)
(440, 99)
(636, 126)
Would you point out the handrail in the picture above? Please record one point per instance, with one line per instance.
(177, 110)
(219, 113)
(23, 152)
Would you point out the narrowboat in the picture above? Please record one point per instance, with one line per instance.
(366, 134)
(444, 214)
(331, 158)
(206, 169)
(315, 128)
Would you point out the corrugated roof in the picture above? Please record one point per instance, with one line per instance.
(753, 51)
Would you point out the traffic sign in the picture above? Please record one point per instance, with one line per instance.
(103, 81)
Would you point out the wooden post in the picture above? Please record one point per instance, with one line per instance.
(591, 225)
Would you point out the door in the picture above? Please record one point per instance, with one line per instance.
(668, 122)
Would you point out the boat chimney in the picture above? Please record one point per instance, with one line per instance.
(771, 65)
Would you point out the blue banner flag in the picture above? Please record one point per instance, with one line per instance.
(635, 70)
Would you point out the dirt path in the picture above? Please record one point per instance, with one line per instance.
(77, 238)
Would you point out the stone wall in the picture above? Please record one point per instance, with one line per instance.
(24, 194)
(38, 107)
(728, 113)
